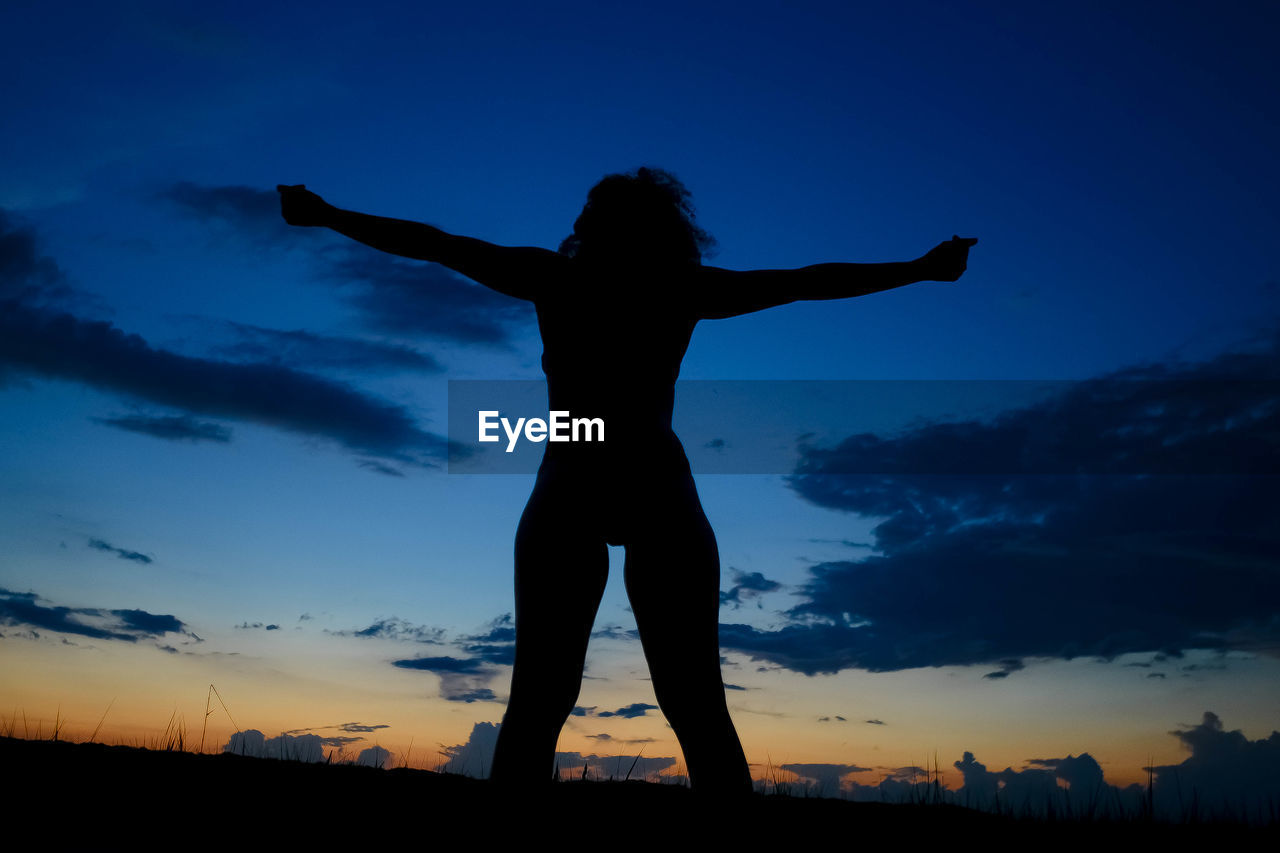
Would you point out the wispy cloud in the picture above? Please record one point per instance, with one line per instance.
(170, 427)
(122, 553)
(302, 349)
(628, 712)
(395, 628)
(412, 298)
(253, 213)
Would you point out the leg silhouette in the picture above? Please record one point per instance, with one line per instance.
(673, 581)
(561, 571)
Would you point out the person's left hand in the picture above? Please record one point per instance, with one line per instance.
(947, 261)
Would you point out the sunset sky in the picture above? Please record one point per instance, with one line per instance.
(221, 437)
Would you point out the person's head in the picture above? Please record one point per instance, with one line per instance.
(640, 218)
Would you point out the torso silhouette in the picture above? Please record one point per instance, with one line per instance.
(612, 347)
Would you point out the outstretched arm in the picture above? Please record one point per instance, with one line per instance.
(514, 271)
(728, 293)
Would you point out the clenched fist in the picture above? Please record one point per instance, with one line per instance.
(947, 261)
(300, 206)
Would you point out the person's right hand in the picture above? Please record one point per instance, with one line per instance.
(300, 206)
(947, 261)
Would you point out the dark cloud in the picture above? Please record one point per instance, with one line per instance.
(38, 338)
(258, 626)
(340, 742)
(443, 665)
(1035, 789)
(827, 779)
(496, 645)
(249, 212)
(170, 428)
(1000, 569)
(413, 298)
(475, 757)
(579, 711)
(396, 628)
(635, 709)
(307, 350)
(147, 624)
(392, 294)
(61, 346)
(288, 747)
(617, 767)
(380, 468)
(615, 632)
(461, 679)
(1226, 776)
(374, 756)
(466, 679)
(23, 609)
(1081, 773)
(1006, 667)
(874, 722)
(468, 695)
(27, 276)
(729, 686)
(361, 727)
(747, 585)
(1226, 773)
(1152, 420)
(122, 553)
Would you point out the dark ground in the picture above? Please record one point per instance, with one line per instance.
(127, 798)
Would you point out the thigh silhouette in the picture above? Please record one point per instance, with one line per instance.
(673, 580)
(562, 566)
(561, 571)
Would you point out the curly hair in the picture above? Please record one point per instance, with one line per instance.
(646, 211)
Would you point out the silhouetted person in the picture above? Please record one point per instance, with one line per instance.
(616, 307)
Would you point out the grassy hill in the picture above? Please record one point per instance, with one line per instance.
(132, 798)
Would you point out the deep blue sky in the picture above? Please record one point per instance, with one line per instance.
(1116, 162)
